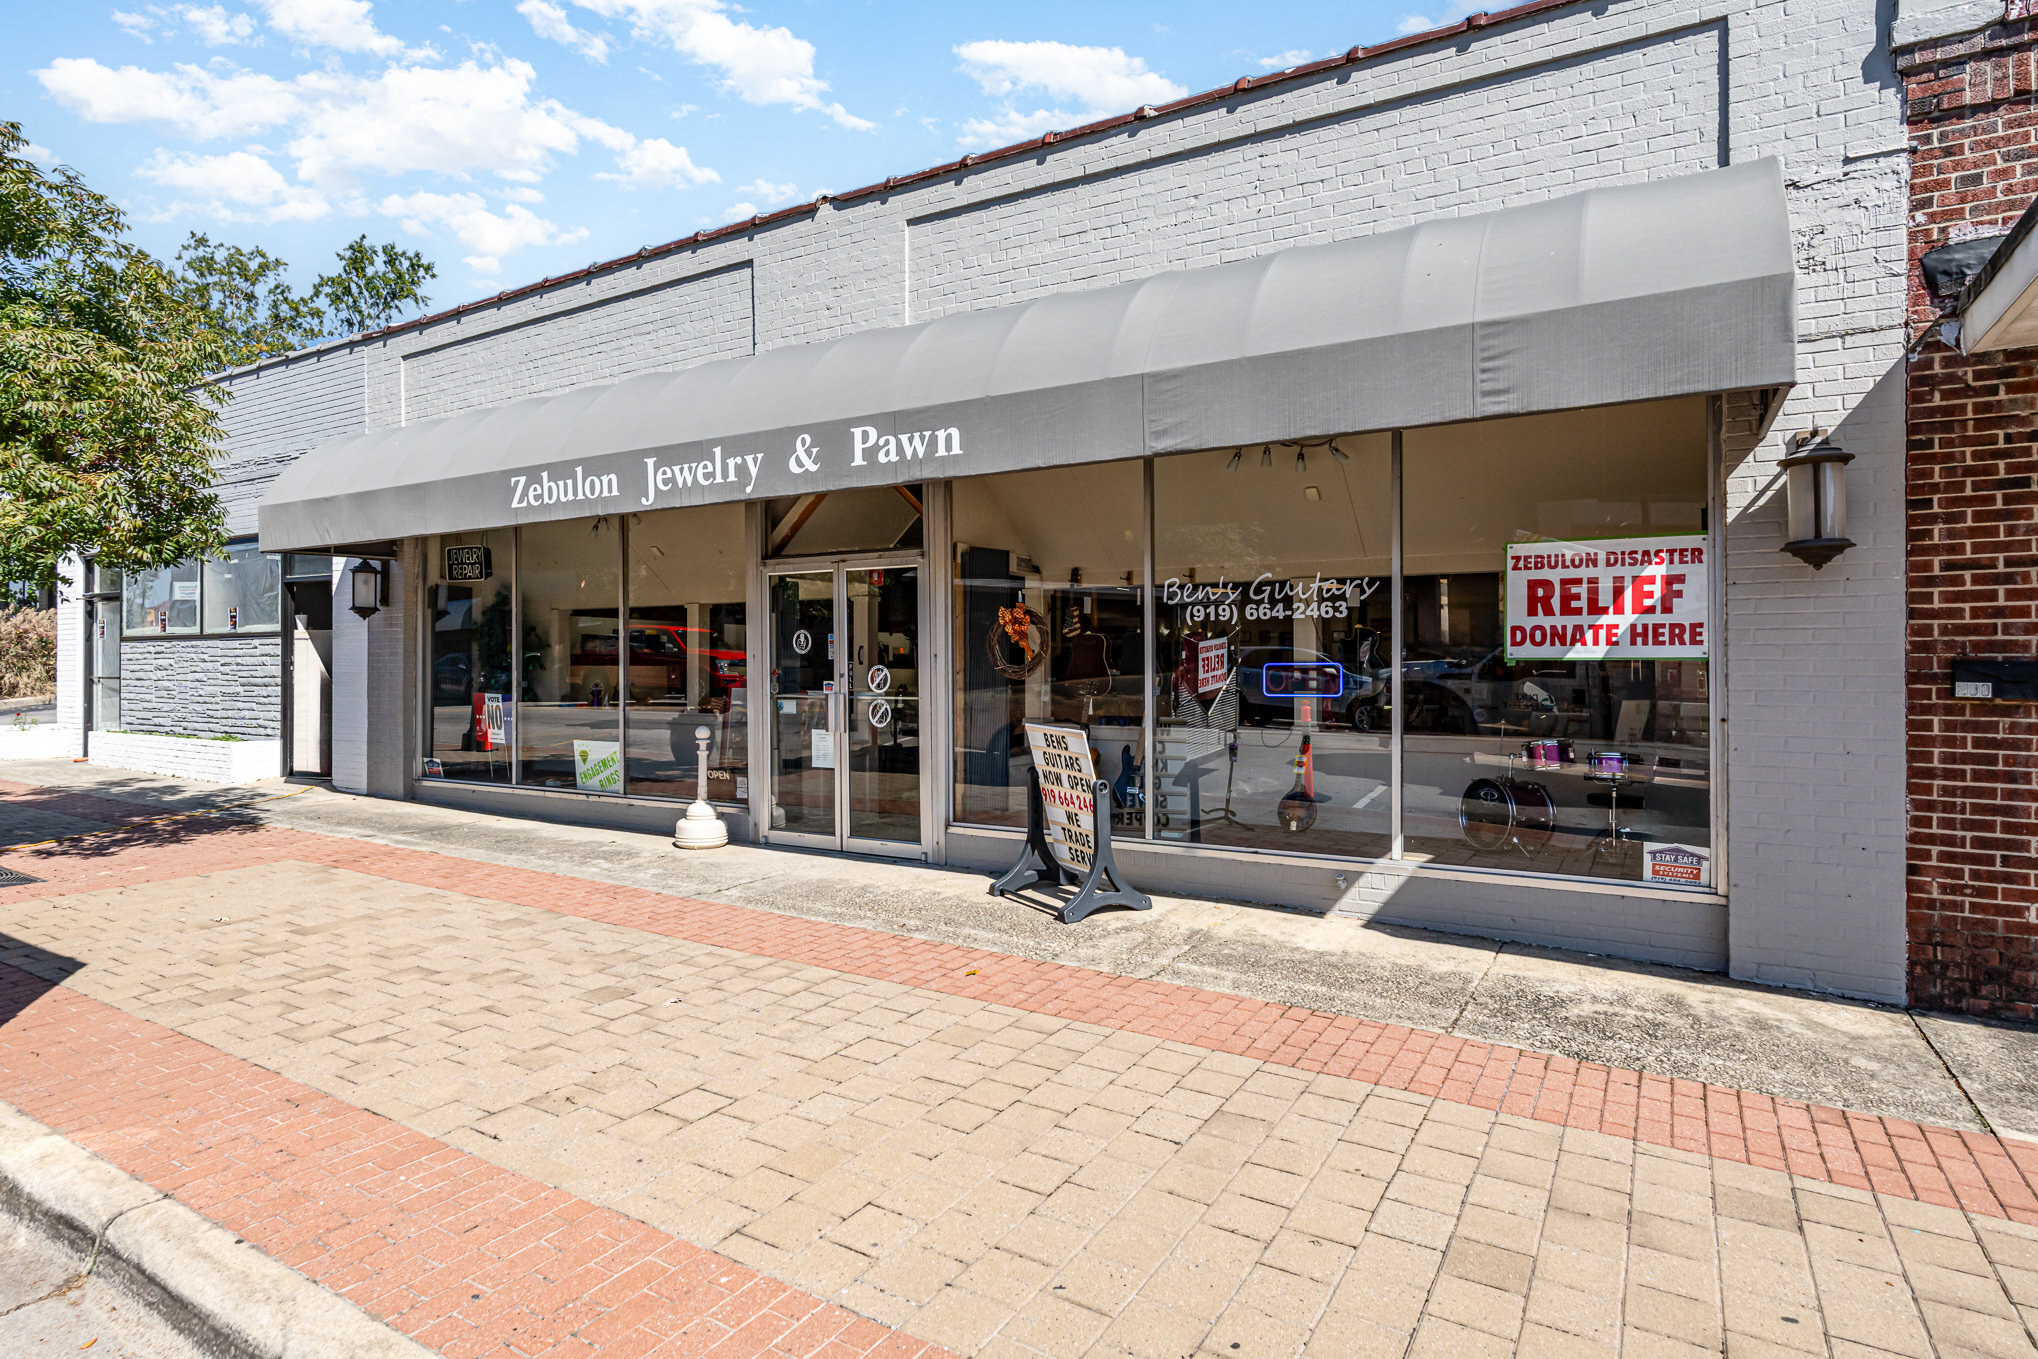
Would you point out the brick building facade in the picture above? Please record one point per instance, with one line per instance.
(1972, 884)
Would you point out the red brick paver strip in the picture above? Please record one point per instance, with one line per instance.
(465, 1257)
(1981, 1173)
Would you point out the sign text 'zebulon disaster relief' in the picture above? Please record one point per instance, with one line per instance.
(1613, 599)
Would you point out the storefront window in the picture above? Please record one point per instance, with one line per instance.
(687, 577)
(1557, 630)
(568, 731)
(473, 711)
(243, 591)
(1272, 569)
(161, 602)
(1048, 629)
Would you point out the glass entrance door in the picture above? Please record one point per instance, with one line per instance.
(103, 651)
(845, 673)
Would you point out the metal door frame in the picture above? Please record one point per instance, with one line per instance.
(838, 567)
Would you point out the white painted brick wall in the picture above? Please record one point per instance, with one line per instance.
(1589, 95)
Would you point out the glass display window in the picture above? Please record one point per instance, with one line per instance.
(1557, 644)
(568, 729)
(1272, 571)
(869, 519)
(1049, 628)
(242, 591)
(162, 602)
(687, 574)
(470, 686)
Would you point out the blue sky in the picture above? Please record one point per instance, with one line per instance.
(509, 141)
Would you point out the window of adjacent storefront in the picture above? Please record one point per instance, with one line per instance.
(1048, 567)
(471, 685)
(1555, 654)
(686, 572)
(241, 591)
(569, 703)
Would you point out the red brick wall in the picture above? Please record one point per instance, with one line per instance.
(1973, 563)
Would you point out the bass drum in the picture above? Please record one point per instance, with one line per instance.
(1495, 813)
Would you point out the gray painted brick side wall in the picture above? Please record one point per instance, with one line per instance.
(278, 412)
(1591, 95)
(207, 686)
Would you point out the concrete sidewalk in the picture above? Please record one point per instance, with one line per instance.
(510, 1088)
(1938, 1069)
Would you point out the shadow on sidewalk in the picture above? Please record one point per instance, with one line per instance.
(27, 972)
(176, 828)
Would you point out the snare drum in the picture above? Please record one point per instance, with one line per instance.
(1611, 764)
(1547, 753)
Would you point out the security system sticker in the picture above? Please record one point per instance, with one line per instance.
(1676, 865)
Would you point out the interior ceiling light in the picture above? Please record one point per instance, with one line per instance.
(1267, 455)
(1311, 493)
(1301, 459)
(1337, 452)
(1236, 454)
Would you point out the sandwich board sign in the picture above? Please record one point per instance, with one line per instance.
(1068, 802)
(1068, 832)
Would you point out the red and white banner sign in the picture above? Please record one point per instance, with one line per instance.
(1612, 599)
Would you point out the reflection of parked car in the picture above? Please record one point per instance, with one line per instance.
(659, 660)
(451, 680)
(1271, 680)
(1491, 691)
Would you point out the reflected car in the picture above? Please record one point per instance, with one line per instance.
(452, 680)
(659, 654)
(1271, 680)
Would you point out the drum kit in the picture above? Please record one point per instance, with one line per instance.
(1511, 812)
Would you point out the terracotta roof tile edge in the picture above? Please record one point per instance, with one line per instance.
(1144, 113)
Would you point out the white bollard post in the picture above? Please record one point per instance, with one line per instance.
(700, 828)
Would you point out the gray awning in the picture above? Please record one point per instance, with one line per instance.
(1669, 288)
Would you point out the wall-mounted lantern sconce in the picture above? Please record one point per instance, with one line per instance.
(1815, 488)
(370, 585)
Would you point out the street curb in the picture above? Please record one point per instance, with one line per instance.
(227, 1297)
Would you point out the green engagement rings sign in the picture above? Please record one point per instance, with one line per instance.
(598, 766)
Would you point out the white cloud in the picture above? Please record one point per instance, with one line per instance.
(342, 25)
(1085, 82)
(455, 120)
(1451, 12)
(760, 65)
(489, 235)
(769, 192)
(656, 163)
(197, 102)
(1100, 79)
(239, 186)
(742, 212)
(1292, 57)
(549, 22)
(135, 25)
(1013, 126)
(214, 27)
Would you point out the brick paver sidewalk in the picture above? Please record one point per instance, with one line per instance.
(392, 1048)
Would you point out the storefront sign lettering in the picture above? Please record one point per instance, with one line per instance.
(1267, 598)
(896, 447)
(712, 471)
(526, 493)
(1615, 599)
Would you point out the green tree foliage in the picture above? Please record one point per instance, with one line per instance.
(109, 431)
(244, 293)
(372, 287)
(259, 314)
